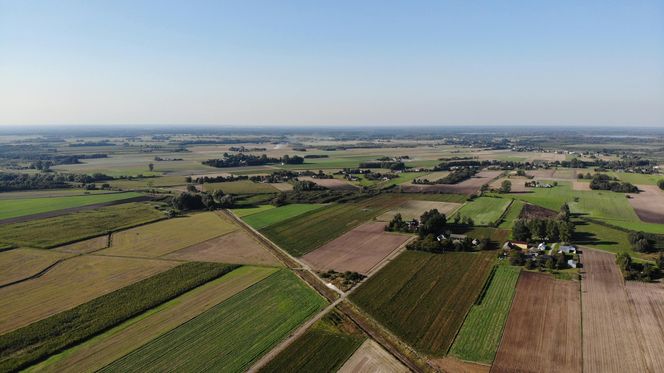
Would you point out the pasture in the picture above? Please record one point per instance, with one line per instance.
(324, 347)
(113, 344)
(163, 237)
(371, 357)
(268, 217)
(423, 298)
(70, 283)
(306, 232)
(32, 206)
(78, 226)
(484, 210)
(480, 334)
(240, 187)
(237, 247)
(543, 330)
(358, 250)
(232, 334)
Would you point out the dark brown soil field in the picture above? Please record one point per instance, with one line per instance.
(648, 302)
(649, 204)
(358, 250)
(536, 212)
(543, 331)
(469, 186)
(612, 341)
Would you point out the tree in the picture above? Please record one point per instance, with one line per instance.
(552, 230)
(227, 201)
(517, 258)
(305, 186)
(485, 188)
(561, 261)
(564, 212)
(660, 184)
(566, 231)
(208, 201)
(188, 201)
(151, 167)
(280, 199)
(520, 231)
(505, 186)
(217, 194)
(432, 222)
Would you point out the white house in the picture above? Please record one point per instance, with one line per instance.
(567, 249)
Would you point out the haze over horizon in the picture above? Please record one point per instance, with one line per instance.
(298, 63)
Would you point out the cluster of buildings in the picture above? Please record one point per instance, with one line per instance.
(541, 251)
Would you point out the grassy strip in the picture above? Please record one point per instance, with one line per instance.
(61, 230)
(480, 334)
(323, 348)
(231, 335)
(41, 339)
(512, 214)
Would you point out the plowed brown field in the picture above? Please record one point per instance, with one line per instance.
(543, 331)
(649, 204)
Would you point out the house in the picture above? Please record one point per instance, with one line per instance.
(453, 237)
(572, 263)
(567, 249)
(541, 246)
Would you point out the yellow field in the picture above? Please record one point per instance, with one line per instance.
(20, 263)
(164, 237)
(70, 283)
(85, 246)
(117, 342)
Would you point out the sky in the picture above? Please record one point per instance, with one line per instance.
(354, 63)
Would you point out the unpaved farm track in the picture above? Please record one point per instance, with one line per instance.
(543, 331)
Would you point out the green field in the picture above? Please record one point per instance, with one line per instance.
(636, 179)
(77, 226)
(45, 337)
(242, 212)
(437, 197)
(512, 215)
(29, 206)
(484, 210)
(423, 298)
(481, 332)
(323, 348)
(231, 335)
(272, 216)
(601, 237)
(240, 187)
(308, 231)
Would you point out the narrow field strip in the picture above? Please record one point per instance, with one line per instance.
(231, 335)
(32, 206)
(132, 334)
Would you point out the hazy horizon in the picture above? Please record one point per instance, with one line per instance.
(343, 64)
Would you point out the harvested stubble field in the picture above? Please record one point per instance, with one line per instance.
(484, 210)
(358, 250)
(480, 334)
(306, 232)
(423, 298)
(132, 334)
(17, 264)
(268, 217)
(70, 283)
(608, 317)
(164, 237)
(85, 246)
(78, 226)
(240, 187)
(324, 347)
(336, 184)
(518, 184)
(231, 335)
(31, 206)
(235, 248)
(543, 331)
(413, 209)
(369, 358)
(469, 186)
(649, 204)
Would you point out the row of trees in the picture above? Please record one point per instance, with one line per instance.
(639, 271)
(16, 181)
(605, 182)
(453, 177)
(193, 200)
(241, 159)
(552, 230)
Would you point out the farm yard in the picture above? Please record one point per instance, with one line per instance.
(543, 330)
(232, 334)
(324, 347)
(358, 250)
(370, 357)
(423, 298)
(133, 333)
(480, 334)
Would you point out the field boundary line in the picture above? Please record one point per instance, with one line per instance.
(504, 214)
(38, 274)
(387, 259)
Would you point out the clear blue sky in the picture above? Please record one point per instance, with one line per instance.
(247, 62)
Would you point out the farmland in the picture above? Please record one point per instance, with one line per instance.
(543, 330)
(232, 334)
(268, 217)
(32, 206)
(480, 334)
(358, 250)
(469, 186)
(133, 333)
(323, 348)
(512, 214)
(484, 210)
(77, 226)
(413, 209)
(308, 231)
(63, 329)
(164, 237)
(370, 357)
(18, 264)
(240, 187)
(423, 298)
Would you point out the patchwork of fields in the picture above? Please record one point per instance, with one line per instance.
(32, 206)
(423, 298)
